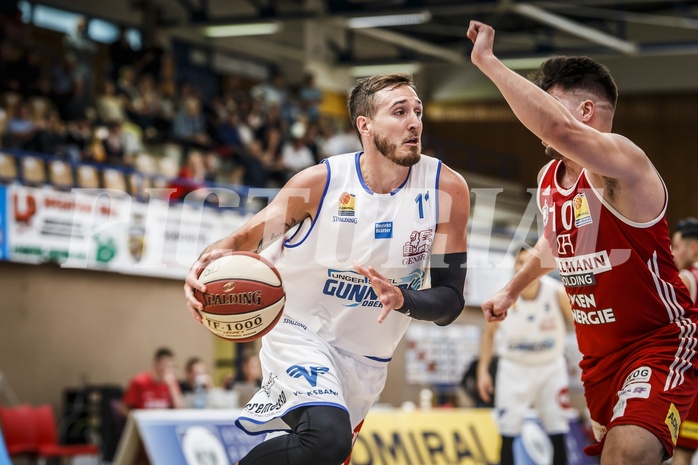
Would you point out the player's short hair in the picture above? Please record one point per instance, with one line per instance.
(577, 73)
(688, 228)
(361, 97)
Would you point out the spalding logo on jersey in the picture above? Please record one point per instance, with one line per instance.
(355, 290)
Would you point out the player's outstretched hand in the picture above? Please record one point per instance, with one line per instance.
(388, 294)
(192, 283)
(482, 37)
(495, 308)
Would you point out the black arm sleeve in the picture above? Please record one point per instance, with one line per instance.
(444, 301)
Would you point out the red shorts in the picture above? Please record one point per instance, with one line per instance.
(688, 434)
(644, 385)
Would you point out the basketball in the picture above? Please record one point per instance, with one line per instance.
(244, 296)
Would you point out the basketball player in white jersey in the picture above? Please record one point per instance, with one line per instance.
(360, 231)
(685, 249)
(532, 371)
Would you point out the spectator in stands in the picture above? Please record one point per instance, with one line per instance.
(249, 373)
(110, 107)
(20, 127)
(79, 103)
(157, 388)
(195, 374)
(295, 153)
(191, 177)
(342, 141)
(252, 166)
(310, 97)
(114, 144)
(229, 134)
(271, 93)
(146, 106)
(126, 84)
(78, 139)
(189, 126)
(50, 135)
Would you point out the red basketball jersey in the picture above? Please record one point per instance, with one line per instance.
(619, 275)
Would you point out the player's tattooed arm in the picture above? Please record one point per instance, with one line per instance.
(273, 236)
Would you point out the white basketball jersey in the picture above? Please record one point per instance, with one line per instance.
(534, 330)
(392, 232)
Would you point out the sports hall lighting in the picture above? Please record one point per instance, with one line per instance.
(389, 20)
(237, 30)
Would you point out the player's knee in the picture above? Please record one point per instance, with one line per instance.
(332, 449)
(332, 441)
(325, 435)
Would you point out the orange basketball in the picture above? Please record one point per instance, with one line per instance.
(344, 198)
(244, 296)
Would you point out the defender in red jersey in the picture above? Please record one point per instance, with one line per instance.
(685, 248)
(603, 209)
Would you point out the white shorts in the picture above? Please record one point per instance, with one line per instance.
(543, 388)
(300, 370)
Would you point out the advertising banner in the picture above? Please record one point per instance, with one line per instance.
(107, 230)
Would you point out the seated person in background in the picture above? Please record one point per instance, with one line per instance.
(157, 388)
(196, 374)
(250, 373)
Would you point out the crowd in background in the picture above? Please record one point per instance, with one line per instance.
(256, 134)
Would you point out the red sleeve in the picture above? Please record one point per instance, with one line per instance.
(133, 396)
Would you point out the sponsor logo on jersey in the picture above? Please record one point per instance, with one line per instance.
(596, 317)
(310, 374)
(316, 392)
(417, 248)
(580, 270)
(636, 391)
(355, 290)
(529, 346)
(347, 204)
(564, 244)
(639, 375)
(582, 215)
(260, 408)
(582, 300)
(266, 387)
(619, 408)
(673, 421)
(544, 211)
(288, 321)
(546, 191)
(383, 230)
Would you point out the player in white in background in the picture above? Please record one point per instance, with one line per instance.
(532, 371)
(360, 231)
(685, 250)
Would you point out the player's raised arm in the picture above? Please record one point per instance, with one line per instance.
(297, 201)
(563, 123)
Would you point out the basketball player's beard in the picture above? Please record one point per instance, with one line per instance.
(388, 150)
(552, 153)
